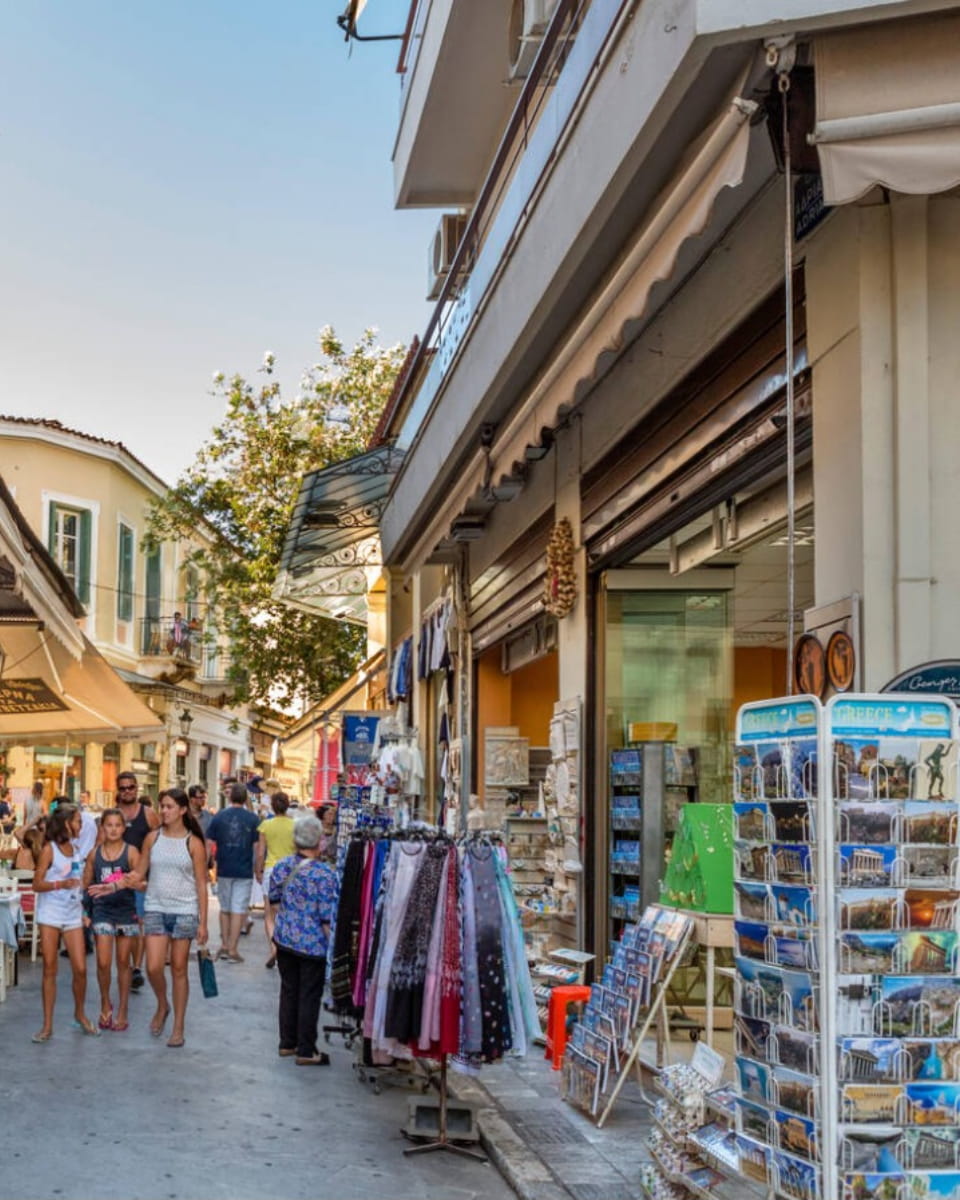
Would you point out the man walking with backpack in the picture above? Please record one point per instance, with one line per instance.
(233, 833)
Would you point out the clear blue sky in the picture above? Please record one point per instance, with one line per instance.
(184, 185)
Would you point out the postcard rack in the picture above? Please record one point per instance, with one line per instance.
(623, 1008)
(847, 943)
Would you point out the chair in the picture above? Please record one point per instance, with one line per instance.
(28, 908)
(8, 887)
(560, 998)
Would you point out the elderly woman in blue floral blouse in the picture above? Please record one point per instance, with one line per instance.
(305, 890)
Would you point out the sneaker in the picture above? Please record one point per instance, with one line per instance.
(136, 979)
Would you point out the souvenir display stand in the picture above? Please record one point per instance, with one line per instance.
(847, 994)
(623, 1008)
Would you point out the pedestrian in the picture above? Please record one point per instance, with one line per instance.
(198, 806)
(58, 883)
(31, 837)
(233, 832)
(304, 888)
(139, 819)
(174, 864)
(275, 841)
(114, 922)
(328, 841)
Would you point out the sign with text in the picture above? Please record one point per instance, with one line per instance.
(933, 678)
(22, 696)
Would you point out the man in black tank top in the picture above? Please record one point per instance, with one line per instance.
(139, 820)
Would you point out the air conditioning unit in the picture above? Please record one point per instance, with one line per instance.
(443, 249)
(528, 23)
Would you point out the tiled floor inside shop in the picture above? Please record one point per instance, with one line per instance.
(550, 1150)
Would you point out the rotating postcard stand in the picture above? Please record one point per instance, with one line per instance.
(847, 1022)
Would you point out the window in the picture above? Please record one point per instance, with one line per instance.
(69, 544)
(125, 573)
(192, 593)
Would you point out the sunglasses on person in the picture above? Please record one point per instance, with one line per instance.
(126, 787)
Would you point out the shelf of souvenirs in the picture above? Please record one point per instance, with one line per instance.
(698, 1180)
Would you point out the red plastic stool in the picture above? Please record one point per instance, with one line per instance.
(560, 998)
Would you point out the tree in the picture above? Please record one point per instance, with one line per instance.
(240, 493)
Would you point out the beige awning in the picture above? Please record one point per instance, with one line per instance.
(48, 693)
(888, 107)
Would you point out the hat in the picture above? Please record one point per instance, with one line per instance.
(253, 785)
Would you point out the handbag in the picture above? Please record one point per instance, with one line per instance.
(208, 974)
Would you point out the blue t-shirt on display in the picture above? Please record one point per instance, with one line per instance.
(234, 830)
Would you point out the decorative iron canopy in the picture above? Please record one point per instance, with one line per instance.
(332, 553)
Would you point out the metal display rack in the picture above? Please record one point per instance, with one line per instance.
(848, 946)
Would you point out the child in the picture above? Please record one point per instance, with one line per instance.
(59, 913)
(115, 923)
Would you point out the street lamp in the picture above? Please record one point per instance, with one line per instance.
(186, 720)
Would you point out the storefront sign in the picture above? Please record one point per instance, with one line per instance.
(359, 732)
(808, 206)
(941, 678)
(21, 696)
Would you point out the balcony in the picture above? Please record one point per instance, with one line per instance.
(173, 639)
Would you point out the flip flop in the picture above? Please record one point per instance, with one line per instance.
(119, 1026)
(106, 1022)
(157, 1030)
(86, 1030)
(41, 1037)
(176, 1043)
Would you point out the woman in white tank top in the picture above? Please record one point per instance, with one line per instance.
(175, 859)
(57, 883)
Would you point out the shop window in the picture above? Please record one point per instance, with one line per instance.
(124, 573)
(70, 531)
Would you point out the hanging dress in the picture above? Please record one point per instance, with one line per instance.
(408, 970)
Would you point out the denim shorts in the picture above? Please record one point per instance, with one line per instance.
(116, 929)
(174, 925)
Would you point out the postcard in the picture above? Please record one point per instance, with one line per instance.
(794, 905)
(753, 901)
(803, 769)
(754, 1080)
(871, 953)
(935, 777)
(894, 775)
(751, 939)
(797, 1134)
(795, 1049)
(871, 1104)
(793, 821)
(796, 1091)
(932, 952)
(753, 1120)
(746, 773)
(797, 952)
(933, 1103)
(854, 768)
(867, 866)
(705, 1179)
(792, 863)
(875, 1152)
(774, 766)
(750, 860)
(598, 1048)
(773, 993)
(874, 1187)
(940, 1185)
(931, 1148)
(751, 821)
(873, 1060)
(753, 1158)
(751, 1036)
(922, 1006)
(929, 1060)
(931, 908)
(868, 908)
(795, 1177)
(929, 824)
(930, 865)
(869, 824)
(855, 1005)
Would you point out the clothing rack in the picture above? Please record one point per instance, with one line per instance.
(442, 1141)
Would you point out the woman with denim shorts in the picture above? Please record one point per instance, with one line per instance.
(115, 923)
(174, 860)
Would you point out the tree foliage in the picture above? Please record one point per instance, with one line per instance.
(239, 495)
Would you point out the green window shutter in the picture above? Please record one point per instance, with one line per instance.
(154, 583)
(125, 573)
(83, 556)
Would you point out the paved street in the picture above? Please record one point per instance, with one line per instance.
(123, 1116)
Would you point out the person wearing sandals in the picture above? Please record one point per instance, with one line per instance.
(305, 890)
(174, 861)
(115, 923)
(58, 885)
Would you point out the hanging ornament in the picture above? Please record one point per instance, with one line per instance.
(560, 586)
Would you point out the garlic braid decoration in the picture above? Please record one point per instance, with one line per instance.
(560, 586)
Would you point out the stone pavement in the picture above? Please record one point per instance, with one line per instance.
(547, 1149)
(124, 1117)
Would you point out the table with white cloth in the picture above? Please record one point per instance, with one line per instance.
(11, 930)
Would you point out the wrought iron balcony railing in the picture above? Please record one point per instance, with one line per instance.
(169, 637)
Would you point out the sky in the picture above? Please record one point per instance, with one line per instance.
(183, 186)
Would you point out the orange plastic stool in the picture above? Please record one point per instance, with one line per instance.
(560, 998)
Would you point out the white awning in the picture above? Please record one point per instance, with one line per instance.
(888, 107)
